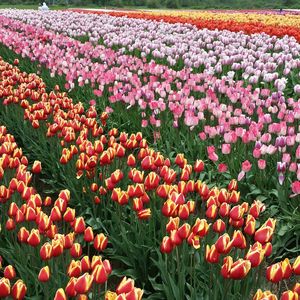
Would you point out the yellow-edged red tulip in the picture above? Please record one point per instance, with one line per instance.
(74, 269)
(125, 286)
(286, 269)
(100, 242)
(289, 295)
(144, 214)
(296, 266)
(88, 234)
(4, 287)
(99, 274)
(46, 251)
(34, 238)
(211, 254)
(70, 288)
(267, 295)
(76, 250)
(60, 295)
(166, 245)
(18, 290)
(44, 274)
(219, 226)
(9, 272)
(274, 273)
(84, 283)
(223, 244)
(36, 167)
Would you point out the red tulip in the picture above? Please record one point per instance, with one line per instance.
(18, 290)
(44, 274)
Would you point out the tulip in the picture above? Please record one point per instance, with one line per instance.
(76, 250)
(274, 273)
(4, 287)
(289, 295)
(100, 242)
(70, 288)
(223, 244)
(84, 283)
(88, 234)
(99, 274)
(267, 295)
(60, 295)
(46, 251)
(18, 290)
(36, 167)
(296, 266)
(211, 254)
(166, 245)
(125, 286)
(44, 274)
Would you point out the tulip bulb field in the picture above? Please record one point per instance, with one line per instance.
(149, 155)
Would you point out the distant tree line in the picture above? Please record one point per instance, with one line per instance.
(201, 4)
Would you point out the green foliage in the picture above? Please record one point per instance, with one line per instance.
(153, 3)
(172, 4)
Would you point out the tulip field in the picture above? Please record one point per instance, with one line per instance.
(149, 155)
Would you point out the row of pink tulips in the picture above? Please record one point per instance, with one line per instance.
(257, 58)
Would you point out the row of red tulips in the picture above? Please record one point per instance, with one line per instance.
(123, 168)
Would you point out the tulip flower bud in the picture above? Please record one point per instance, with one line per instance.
(233, 185)
(198, 166)
(18, 290)
(240, 269)
(125, 286)
(166, 245)
(4, 287)
(9, 272)
(219, 226)
(36, 167)
(267, 295)
(296, 288)
(274, 273)
(99, 274)
(286, 269)
(76, 250)
(79, 225)
(23, 235)
(289, 295)
(34, 238)
(60, 295)
(70, 288)
(100, 242)
(211, 254)
(224, 210)
(223, 244)
(88, 234)
(84, 283)
(296, 266)
(44, 274)
(74, 269)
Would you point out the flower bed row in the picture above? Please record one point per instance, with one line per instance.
(211, 23)
(121, 174)
(252, 58)
(224, 113)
